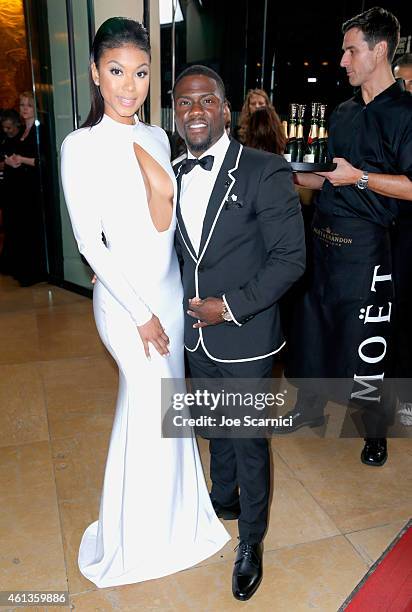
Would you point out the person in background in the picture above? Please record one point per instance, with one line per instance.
(402, 264)
(265, 131)
(343, 327)
(255, 98)
(403, 70)
(11, 132)
(23, 185)
(227, 114)
(10, 123)
(10, 128)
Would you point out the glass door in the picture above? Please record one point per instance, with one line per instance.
(59, 34)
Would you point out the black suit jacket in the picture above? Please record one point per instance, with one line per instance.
(252, 249)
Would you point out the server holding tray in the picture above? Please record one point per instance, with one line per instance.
(342, 328)
(313, 167)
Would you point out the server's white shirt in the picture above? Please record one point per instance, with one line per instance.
(196, 189)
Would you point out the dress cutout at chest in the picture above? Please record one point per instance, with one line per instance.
(159, 189)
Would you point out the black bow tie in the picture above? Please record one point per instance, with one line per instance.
(204, 162)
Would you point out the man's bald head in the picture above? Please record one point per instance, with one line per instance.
(403, 70)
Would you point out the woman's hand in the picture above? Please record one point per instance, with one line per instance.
(13, 161)
(153, 332)
(17, 160)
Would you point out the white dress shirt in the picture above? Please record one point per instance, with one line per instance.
(196, 189)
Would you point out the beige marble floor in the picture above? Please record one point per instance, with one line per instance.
(330, 517)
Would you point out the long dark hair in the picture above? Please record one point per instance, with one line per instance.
(245, 113)
(265, 131)
(112, 34)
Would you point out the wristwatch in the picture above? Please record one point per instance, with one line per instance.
(362, 183)
(226, 316)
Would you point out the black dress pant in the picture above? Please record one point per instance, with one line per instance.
(239, 467)
(343, 325)
(372, 423)
(402, 265)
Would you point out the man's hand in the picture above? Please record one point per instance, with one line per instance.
(209, 311)
(153, 332)
(344, 174)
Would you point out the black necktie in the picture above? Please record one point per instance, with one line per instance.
(204, 162)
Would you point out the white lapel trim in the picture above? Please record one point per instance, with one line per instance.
(184, 241)
(192, 350)
(229, 189)
(177, 220)
(237, 360)
(178, 171)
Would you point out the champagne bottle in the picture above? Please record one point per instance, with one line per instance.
(311, 151)
(322, 136)
(300, 144)
(290, 150)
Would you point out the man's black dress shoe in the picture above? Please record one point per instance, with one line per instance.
(298, 418)
(375, 451)
(228, 513)
(247, 571)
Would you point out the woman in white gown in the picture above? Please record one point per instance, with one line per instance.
(155, 517)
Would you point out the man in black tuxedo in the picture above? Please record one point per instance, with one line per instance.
(240, 241)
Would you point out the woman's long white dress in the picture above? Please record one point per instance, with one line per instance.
(155, 517)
